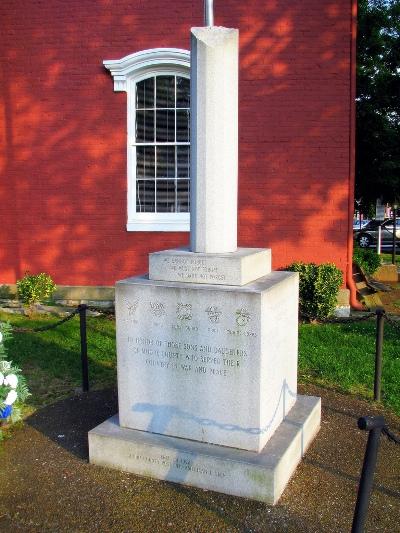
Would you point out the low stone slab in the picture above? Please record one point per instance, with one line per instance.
(259, 476)
(236, 268)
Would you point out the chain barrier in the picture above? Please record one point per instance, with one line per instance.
(46, 328)
(338, 320)
(393, 322)
(108, 311)
(81, 310)
(375, 425)
(390, 435)
(381, 317)
(347, 320)
(391, 319)
(40, 329)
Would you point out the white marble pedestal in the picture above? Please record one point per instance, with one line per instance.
(207, 385)
(212, 363)
(259, 476)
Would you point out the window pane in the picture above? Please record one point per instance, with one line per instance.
(182, 125)
(144, 126)
(165, 91)
(165, 126)
(183, 196)
(162, 171)
(165, 161)
(165, 196)
(145, 162)
(183, 160)
(182, 92)
(145, 93)
(145, 196)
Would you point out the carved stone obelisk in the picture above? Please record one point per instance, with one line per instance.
(214, 146)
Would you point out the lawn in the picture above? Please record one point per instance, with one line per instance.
(51, 362)
(387, 258)
(339, 356)
(342, 356)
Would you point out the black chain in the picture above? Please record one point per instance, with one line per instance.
(338, 320)
(391, 436)
(393, 322)
(350, 319)
(101, 310)
(40, 329)
(391, 319)
(46, 328)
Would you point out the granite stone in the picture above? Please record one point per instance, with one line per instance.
(236, 268)
(214, 139)
(213, 363)
(207, 343)
(259, 476)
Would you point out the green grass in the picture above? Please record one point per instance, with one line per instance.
(339, 356)
(51, 360)
(387, 258)
(342, 356)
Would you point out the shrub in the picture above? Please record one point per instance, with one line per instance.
(368, 260)
(319, 287)
(33, 289)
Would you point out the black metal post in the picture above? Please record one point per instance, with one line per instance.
(374, 425)
(84, 358)
(380, 321)
(394, 235)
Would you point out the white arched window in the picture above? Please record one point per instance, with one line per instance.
(158, 142)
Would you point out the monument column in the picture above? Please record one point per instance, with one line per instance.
(214, 139)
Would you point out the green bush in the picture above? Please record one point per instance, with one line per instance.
(319, 287)
(368, 260)
(33, 289)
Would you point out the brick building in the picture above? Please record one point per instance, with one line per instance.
(75, 193)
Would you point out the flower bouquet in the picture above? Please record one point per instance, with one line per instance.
(13, 389)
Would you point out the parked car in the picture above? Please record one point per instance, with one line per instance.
(368, 235)
(356, 223)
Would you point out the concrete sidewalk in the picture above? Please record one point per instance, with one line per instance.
(47, 485)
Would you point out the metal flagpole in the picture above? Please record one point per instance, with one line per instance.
(208, 13)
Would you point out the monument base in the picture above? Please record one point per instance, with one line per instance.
(258, 476)
(236, 268)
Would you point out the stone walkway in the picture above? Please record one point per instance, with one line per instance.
(47, 485)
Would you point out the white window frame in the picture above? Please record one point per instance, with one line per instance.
(127, 72)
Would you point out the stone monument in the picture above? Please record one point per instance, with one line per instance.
(207, 342)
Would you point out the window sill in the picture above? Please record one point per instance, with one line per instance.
(181, 223)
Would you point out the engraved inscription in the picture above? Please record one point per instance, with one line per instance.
(213, 313)
(157, 309)
(188, 357)
(178, 463)
(242, 317)
(192, 268)
(184, 311)
(131, 306)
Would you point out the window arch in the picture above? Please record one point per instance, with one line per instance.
(157, 84)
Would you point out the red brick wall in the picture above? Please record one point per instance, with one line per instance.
(63, 131)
